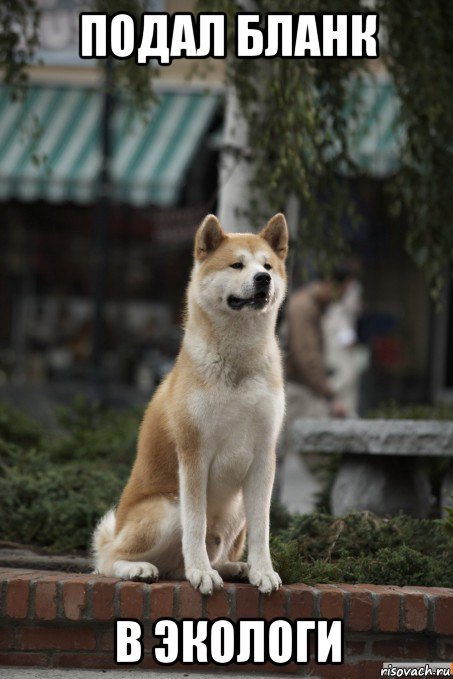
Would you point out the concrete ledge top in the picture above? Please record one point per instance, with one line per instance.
(374, 437)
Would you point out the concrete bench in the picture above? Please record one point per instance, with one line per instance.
(380, 470)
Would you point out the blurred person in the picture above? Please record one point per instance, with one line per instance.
(309, 391)
(346, 359)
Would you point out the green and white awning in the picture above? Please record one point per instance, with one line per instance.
(50, 142)
(50, 146)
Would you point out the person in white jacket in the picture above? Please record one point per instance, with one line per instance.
(346, 359)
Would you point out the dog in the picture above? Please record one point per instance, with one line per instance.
(205, 463)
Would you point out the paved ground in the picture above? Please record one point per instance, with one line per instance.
(31, 673)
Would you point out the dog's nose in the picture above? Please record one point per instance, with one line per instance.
(262, 279)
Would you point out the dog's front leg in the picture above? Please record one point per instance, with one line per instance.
(257, 500)
(193, 485)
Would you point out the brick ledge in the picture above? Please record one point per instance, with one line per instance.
(55, 619)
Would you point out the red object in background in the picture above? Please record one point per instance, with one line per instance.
(388, 351)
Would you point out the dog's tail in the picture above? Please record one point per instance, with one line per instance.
(102, 542)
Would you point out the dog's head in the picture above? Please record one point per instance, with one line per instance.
(240, 273)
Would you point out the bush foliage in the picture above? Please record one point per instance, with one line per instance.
(54, 487)
(361, 547)
(391, 410)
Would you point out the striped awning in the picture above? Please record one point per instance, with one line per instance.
(50, 145)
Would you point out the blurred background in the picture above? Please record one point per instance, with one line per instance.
(99, 205)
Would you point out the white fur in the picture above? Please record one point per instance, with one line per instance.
(103, 537)
(166, 553)
(135, 570)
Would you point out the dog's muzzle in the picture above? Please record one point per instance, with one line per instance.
(260, 298)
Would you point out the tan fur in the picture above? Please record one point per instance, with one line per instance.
(206, 449)
(238, 546)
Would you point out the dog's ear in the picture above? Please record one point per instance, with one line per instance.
(208, 238)
(276, 234)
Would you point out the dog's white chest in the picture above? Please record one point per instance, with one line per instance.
(235, 424)
(225, 413)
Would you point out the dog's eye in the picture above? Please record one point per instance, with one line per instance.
(237, 265)
(268, 267)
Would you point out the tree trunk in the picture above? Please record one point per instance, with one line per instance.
(236, 168)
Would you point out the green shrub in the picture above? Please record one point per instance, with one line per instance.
(54, 506)
(16, 427)
(392, 410)
(53, 489)
(361, 547)
(90, 432)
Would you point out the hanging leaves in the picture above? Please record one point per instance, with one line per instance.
(19, 21)
(297, 115)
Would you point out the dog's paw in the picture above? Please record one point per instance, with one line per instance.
(266, 581)
(204, 580)
(135, 570)
(237, 570)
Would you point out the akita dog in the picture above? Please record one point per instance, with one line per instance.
(206, 451)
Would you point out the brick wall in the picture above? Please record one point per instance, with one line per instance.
(51, 619)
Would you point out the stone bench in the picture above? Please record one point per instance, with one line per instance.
(380, 470)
